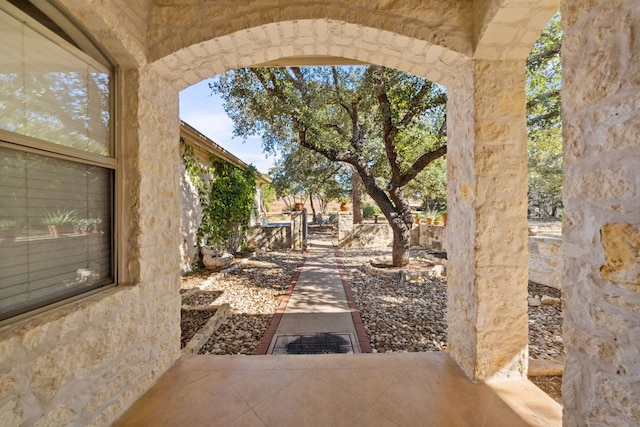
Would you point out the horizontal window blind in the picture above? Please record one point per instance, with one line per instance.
(57, 167)
(50, 90)
(55, 229)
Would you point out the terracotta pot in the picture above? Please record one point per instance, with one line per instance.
(418, 220)
(429, 221)
(444, 219)
(298, 206)
(344, 207)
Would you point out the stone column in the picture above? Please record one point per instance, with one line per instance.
(149, 209)
(601, 228)
(487, 226)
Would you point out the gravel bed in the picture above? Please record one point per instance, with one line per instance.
(408, 317)
(411, 317)
(191, 321)
(201, 298)
(253, 292)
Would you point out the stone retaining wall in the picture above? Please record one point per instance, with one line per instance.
(545, 262)
(429, 236)
(273, 237)
(358, 236)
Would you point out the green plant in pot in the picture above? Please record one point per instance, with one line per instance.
(82, 225)
(57, 219)
(431, 215)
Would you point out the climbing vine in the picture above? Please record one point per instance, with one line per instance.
(226, 195)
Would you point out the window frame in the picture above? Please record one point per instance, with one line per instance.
(86, 50)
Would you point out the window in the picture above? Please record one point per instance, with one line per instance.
(57, 160)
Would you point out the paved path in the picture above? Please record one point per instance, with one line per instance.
(320, 308)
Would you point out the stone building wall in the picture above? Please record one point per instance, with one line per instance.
(85, 362)
(190, 219)
(55, 368)
(601, 229)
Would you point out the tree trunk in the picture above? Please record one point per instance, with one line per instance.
(313, 209)
(401, 245)
(356, 195)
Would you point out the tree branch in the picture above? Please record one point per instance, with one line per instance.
(552, 50)
(422, 162)
(388, 130)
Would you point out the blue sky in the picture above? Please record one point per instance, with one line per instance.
(203, 110)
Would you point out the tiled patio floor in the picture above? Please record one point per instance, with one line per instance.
(401, 389)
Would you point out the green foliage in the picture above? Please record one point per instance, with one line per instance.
(267, 196)
(196, 172)
(432, 213)
(430, 185)
(226, 195)
(59, 217)
(385, 124)
(227, 210)
(301, 172)
(544, 123)
(6, 224)
(369, 210)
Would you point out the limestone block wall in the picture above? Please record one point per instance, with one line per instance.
(120, 26)
(358, 236)
(190, 219)
(174, 26)
(429, 236)
(270, 237)
(545, 262)
(601, 229)
(85, 362)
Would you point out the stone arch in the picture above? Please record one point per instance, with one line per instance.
(175, 26)
(507, 30)
(312, 40)
(112, 30)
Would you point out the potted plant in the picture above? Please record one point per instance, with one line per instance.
(343, 204)
(94, 224)
(443, 215)
(82, 225)
(431, 215)
(57, 219)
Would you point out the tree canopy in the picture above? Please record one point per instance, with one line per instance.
(544, 122)
(386, 124)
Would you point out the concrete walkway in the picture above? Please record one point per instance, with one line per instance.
(318, 309)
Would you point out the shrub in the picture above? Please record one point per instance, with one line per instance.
(369, 210)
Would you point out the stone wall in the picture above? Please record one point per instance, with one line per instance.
(545, 262)
(429, 236)
(358, 236)
(272, 237)
(85, 362)
(190, 219)
(601, 228)
(487, 224)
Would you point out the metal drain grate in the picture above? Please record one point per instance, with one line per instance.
(320, 343)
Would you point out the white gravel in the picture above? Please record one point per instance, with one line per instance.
(406, 317)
